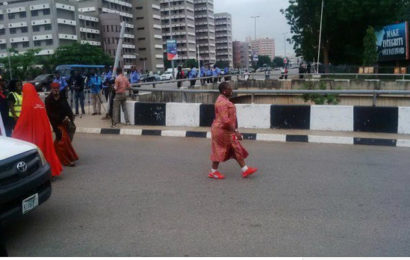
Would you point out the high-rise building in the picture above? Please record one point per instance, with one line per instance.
(178, 23)
(149, 43)
(223, 35)
(111, 13)
(264, 47)
(205, 30)
(242, 53)
(43, 24)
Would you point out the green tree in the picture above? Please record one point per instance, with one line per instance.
(24, 66)
(264, 60)
(81, 54)
(190, 63)
(369, 47)
(344, 26)
(278, 62)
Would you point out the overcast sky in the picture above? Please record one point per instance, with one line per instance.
(271, 23)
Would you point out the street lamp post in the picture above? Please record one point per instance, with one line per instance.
(170, 35)
(255, 17)
(320, 38)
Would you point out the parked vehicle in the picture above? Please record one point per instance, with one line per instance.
(42, 82)
(151, 78)
(167, 75)
(25, 178)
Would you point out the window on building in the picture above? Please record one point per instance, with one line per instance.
(108, 28)
(11, 16)
(34, 13)
(25, 44)
(46, 11)
(2, 31)
(23, 15)
(3, 46)
(14, 45)
(47, 27)
(140, 18)
(36, 28)
(1, 17)
(141, 39)
(112, 28)
(108, 41)
(24, 29)
(142, 49)
(37, 43)
(49, 42)
(140, 28)
(13, 30)
(139, 8)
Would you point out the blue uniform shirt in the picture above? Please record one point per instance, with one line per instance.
(192, 73)
(203, 72)
(95, 84)
(107, 76)
(62, 82)
(135, 77)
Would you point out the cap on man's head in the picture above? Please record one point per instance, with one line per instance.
(55, 85)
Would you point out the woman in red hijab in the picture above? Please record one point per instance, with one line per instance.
(33, 126)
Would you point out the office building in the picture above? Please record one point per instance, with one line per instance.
(205, 30)
(223, 35)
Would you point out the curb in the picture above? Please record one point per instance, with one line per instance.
(281, 138)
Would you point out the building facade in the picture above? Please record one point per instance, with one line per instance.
(264, 47)
(178, 23)
(205, 30)
(40, 24)
(149, 43)
(223, 34)
(242, 54)
(111, 13)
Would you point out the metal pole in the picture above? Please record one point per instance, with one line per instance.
(320, 37)
(199, 57)
(119, 48)
(255, 17)
(10, 70)
(170, 35)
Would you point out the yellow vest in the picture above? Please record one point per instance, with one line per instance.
(17, 104)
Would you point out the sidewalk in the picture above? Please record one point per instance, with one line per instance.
(96, 125)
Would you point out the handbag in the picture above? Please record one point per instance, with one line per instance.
(71, 128)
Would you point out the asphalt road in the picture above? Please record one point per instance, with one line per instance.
(149, 196)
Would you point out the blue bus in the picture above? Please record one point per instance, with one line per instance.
(66, 70)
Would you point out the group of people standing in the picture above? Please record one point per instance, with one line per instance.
(26, 117)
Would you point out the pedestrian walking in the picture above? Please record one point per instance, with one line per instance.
(121, 86)
(192, 76)
(180, 75)
(34, 126)
(15, 101)
(61, 117)
(203, 74)
(62, 83)
(106, 79)
(95, 85)
(4, 110)
(209, 74)
(226, 74)
(225, 135)
(78, 87)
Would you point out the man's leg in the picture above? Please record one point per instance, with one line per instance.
(81, 94)
(94, 103)
(99, 103)
(116, 110)
(125, 110)
(76, 97)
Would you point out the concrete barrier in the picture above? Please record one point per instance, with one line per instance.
(290, 117)
(253, 116)
(131, 112)
(404, 120)
(182, 114)
(331, 118)
(376, 119)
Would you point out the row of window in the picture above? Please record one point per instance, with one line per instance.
(24, 14)
(27, 44)
(36, 28)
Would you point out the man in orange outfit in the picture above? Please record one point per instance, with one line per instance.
(225, 135)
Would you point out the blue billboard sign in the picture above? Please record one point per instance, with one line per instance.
(171, 49)
(392, 42)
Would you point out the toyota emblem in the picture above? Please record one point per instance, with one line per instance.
(22, 167)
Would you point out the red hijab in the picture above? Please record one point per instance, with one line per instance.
(33, 126)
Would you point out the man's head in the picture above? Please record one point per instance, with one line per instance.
(55, 89)
(225, 89)
(119, 71)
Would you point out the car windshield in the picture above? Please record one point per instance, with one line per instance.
(41, 77)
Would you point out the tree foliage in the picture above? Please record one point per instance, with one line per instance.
(278, 62)
(81, 54)
(369, 47)
(264, 60)
(23, 66)
(344, 26)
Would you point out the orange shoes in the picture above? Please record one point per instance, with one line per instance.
(216, 175)
(249, 172)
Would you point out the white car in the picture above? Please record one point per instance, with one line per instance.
(25, 178)
(166, 76)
